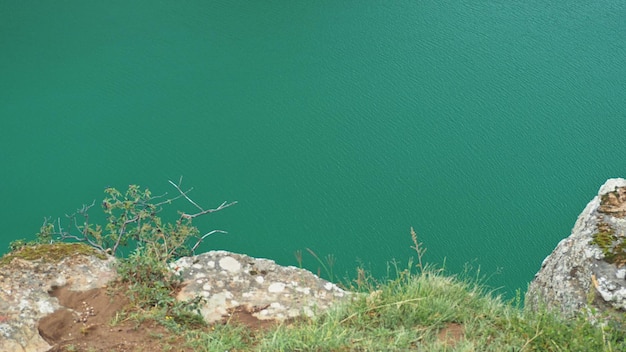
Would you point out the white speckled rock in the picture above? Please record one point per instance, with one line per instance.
(272, 292)
(24, 297)
(230, 264)
(576, 277)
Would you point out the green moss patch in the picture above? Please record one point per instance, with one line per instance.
(613, 246)
(51, 252)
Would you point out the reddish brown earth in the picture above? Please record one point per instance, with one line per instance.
(451, 334)
(92, 331)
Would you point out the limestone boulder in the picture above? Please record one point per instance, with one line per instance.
(586, 271)
(228, 281)
(25, 298)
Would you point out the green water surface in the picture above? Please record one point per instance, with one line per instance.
(337, 125)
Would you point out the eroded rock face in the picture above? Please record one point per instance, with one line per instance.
(260, 286)
(586, 271)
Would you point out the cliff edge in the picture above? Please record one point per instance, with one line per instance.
(585, 273)
(50, 302)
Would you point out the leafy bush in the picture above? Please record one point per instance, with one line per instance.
(132, 221)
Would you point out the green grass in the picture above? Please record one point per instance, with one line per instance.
(412, 310)
(409, 313)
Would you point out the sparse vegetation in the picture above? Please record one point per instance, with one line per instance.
(133, 221)
(421, 310)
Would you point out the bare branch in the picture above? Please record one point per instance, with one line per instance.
(83, 239)
(167, 200)
(184, 194)
(193, 249)
(84, 212)
(222, 206)
(60, 228)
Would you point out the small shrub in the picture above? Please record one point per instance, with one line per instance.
(132, 221)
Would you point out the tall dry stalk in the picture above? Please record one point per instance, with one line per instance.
(418, 247)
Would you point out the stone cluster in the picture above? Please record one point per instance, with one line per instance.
(270, 291)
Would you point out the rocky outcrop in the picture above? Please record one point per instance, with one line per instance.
(268, 291)
(227, 282)
(586, 273)
(25, 298)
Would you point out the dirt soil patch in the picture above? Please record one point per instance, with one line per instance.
(451, 334)
(85, 324)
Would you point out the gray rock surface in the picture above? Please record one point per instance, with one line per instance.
(260, 286)
(24, 298)
(579, 275)
(225, 280)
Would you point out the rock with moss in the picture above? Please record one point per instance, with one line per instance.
(586, 272)
(28, 274)
(225, 283)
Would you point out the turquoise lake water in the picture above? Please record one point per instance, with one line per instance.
(337, 125)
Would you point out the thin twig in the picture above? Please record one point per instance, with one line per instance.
(84, 239)
(224, 205)
(184, 194)
(193, 250)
